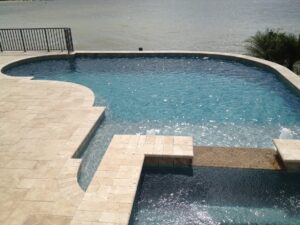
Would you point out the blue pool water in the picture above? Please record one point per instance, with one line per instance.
(218, 102)
(217, 196)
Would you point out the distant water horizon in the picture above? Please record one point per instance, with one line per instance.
(212, 25)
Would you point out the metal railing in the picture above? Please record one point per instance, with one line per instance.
(36, 39)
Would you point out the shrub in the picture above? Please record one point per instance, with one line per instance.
(296, 67)
(275, 46)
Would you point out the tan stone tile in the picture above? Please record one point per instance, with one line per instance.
(41, 195)
(158, 149)
(4, 213)
(99, 205)
(147, 148)
(168, 140)
(159, 140)
(142, 140)
(95, 196)
(168, 149)
(125, 182)
(122, 198)
(21, 164)
(123, 190)
(17, 217)
(4, 162)
(178, 150)
(47, 220)
(26, 183)
(182, 140)
(90, 223)
(134, 140)
(65, 207)
(128, 172)
(150, 139)
(114, 217)
(125, 207)
(88, 216)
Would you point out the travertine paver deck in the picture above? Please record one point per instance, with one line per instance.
(110, 196)
(289, 151)
(42, 123)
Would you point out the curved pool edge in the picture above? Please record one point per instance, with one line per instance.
(288, 76)
(68, 186)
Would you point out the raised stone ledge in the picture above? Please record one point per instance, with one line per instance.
(289, 151)
(110, 196)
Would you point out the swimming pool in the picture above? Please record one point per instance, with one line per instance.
(217, 196)
(217, 101)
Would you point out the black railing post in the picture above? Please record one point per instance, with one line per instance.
(68, 38)
(71, 40)
(22, 38)
(45, 32)
(1, 42)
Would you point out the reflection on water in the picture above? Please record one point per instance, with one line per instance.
(213, 25)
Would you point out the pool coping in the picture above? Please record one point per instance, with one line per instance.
(72, 165)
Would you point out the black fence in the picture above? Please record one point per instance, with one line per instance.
(36, 39)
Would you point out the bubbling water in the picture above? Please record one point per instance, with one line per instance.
(285, 133)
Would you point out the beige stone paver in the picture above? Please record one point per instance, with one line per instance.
(289, 151)
(42, 124)
(110, 196)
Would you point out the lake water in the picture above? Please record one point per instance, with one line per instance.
(212, 25)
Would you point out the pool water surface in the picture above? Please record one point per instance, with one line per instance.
(217, 196)
(219, 102)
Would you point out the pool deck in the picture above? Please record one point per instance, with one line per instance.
(42, 124)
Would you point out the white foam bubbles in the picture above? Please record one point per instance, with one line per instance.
(153, 131)
(285, 133)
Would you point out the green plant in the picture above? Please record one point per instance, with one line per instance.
(275, 46)
(296, 67)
